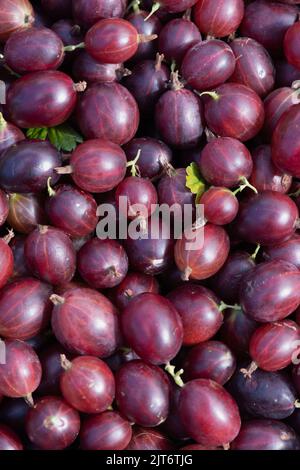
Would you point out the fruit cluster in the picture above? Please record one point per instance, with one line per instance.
(149, 342)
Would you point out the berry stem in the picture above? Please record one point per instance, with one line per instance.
(51, 191)
(72, 48)
(9, 236)
(155, 7)
(176, 375)
(3, 123)
(57, 299)
(224, 306)
(133, 164)
(253, 256)
(248, 372)
(146, 37)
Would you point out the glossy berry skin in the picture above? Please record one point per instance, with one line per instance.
(146, 50)
(4, 207)
(263, 394)
(198, 309)
(276, 104)
(276, 18)
(286, 73)
(148, 439)
(21, 373)
(173, 426)
(237, 330)
(6, 262)
(272, 345)
(226, 283)
(131, 286)
(102, 263)
(265, 434)
(87, 12)
(52, 424)
(26, 211)
(87, 384)
(220, 205)
(106, 431)
(152, 328)
(265, 175)
(288, 250)
(151, 254)
(172, 189)
(112, 41)
(9, 440)
(9, 134)
(176, 38)
(270, 291)
(50, 357)
(20, 268)
(25, 308)
(98, 166)
(88, 69)
(72, 210)
(154, 157)
(50, 255)
(44, 50)
(207, 256)
(234, 164)
(236, 111)
(221, 422)
(142, 393)
(41, 99)
(218, 17)
(267, 218)
(26, 167)
(209, 360)
(15, 15)
(147, 82)
(108, 111)
(184, 129)
(175, 6)
(291, 45)
(141, 197)
(86, 323)
(254, 67)
(208, 64)
(286, 143)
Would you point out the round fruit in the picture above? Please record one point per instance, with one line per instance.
(108, 111)
(152, 328)
(25, 308)
(85, 322)
(41, 99)
(50, 255)
(106, 431)
(87, 384)
(52, 424)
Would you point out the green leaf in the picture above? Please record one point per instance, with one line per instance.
(63, 137)
(194, 180)
(37, 133)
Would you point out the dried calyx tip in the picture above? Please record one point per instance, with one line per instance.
(146, 37)
(64, 170)
(186, 274)
(43, 229)
(57, 299)
(158, 61)
(65, 363)
(176, 84)
(29, 400)
(249, 371)
(80, 86)
(9, 236)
